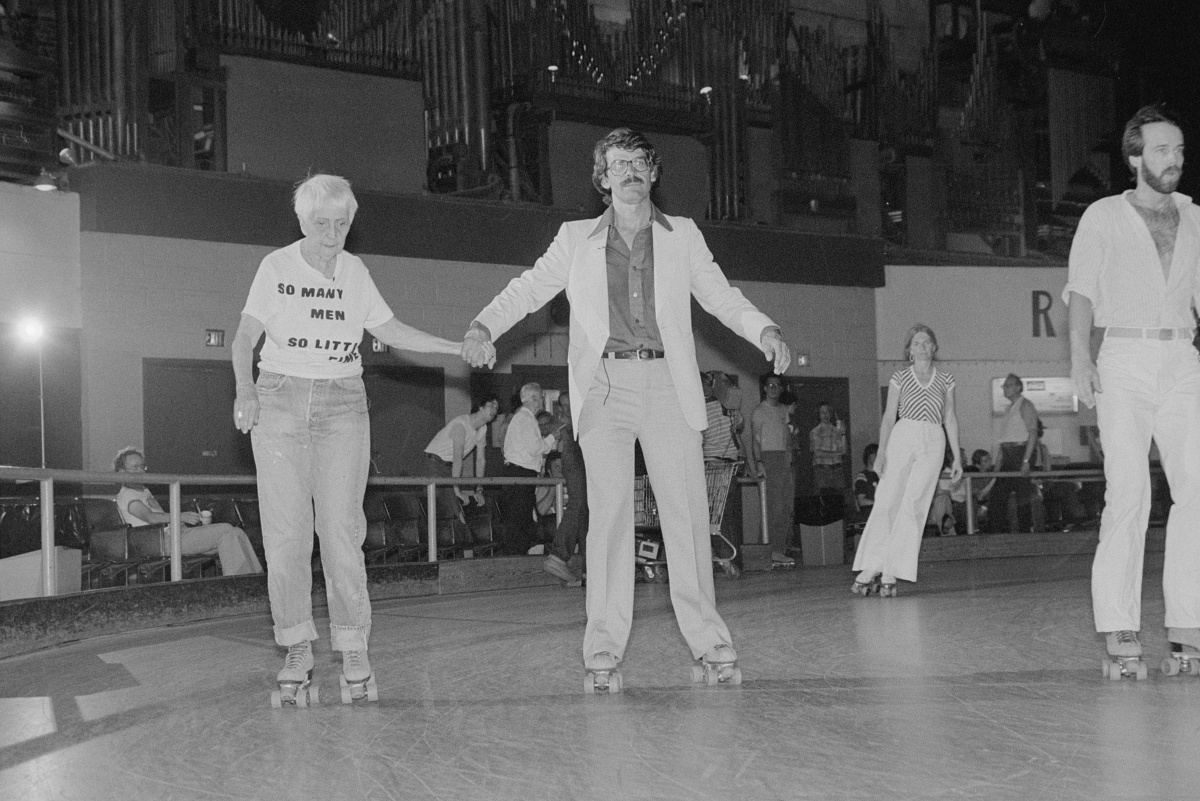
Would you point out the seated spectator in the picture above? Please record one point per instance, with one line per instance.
(139, 508)
(981, 462)
(866, 482)
(941, 509)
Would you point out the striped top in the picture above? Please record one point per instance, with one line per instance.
(1114, 263)
(922, 402)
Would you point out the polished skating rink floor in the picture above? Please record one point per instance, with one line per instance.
(982, 681)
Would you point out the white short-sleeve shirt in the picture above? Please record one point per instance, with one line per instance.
(314, 324)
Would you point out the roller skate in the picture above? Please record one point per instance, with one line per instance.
(718, 666)
(1185, 652)
(781, 561)
(603, 675)
(865, 588)
(357, 681)
(1124, 656)
(295, 680)
(562, 571)
(887, 589)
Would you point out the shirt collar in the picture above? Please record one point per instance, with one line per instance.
(606, 220)
(1179, 198)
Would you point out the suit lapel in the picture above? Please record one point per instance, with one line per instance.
(589, 286)
(668, 255)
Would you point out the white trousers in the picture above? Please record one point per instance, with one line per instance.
(891, 541)
(1151, 388)
(635, 400)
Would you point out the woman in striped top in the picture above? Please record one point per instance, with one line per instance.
(911, 450)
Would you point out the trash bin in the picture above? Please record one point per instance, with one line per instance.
(822, 529)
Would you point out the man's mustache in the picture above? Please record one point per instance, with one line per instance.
(633, 179)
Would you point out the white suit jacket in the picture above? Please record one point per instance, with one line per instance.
(683, 267)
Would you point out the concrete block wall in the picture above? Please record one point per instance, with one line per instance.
(154, 297)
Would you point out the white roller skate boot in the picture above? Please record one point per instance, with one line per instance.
(295, 680)
(1124, 656)
(357, 680)
(1185, 652)
(781, 561)
(865, 584)
(718, 666)
(603, 675)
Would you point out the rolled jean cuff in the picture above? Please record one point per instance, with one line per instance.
(349, 638)
(292, 635)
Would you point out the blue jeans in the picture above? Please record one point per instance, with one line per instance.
(312, 450)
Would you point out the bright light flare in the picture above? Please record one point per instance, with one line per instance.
(31, 330)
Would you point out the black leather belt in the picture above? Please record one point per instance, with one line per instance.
(639, 354)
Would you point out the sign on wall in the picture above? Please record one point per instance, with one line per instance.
(1049, 395)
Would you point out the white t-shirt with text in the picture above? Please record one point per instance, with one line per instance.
(314, 324)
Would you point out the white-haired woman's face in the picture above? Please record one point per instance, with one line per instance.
(325, 231)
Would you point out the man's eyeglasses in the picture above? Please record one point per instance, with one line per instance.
(619, 166)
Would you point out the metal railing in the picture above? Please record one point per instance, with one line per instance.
(1034, 476)
(175, 482)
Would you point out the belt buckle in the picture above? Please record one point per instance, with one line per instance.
(643, 354)
(1166, 333)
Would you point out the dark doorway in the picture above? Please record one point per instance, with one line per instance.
(188, 429)
(810, 393)
(187, 424)
(408, 407)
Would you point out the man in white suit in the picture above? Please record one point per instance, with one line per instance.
(630, 276)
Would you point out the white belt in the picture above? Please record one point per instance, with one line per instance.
(1150, 333)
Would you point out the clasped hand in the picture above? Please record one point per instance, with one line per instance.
(477, 350)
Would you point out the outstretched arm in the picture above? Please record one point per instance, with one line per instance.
(397, 335)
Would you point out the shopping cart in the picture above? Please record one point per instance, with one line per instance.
(649, 556)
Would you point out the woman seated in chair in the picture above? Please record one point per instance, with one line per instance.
(139, 508)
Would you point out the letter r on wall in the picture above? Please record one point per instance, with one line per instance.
(1042, 302)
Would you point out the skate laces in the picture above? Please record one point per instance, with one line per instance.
(352, 659)
(1127, 637)
(296, 657)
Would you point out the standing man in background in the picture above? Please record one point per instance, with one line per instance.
(771, 447)
(525, 450)
(446, 453)
(1018, 448)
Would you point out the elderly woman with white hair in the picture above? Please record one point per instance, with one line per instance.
(307, 415)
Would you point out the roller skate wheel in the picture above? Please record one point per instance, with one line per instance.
(1193, 667)
(372, 690)
(697, 674)
(347, 697)
(735, 678)
(276, 699)
(1110, 670)
(302, 698)
(1170, 666)
(314, 695)
(602, 681)
(1143, 671)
